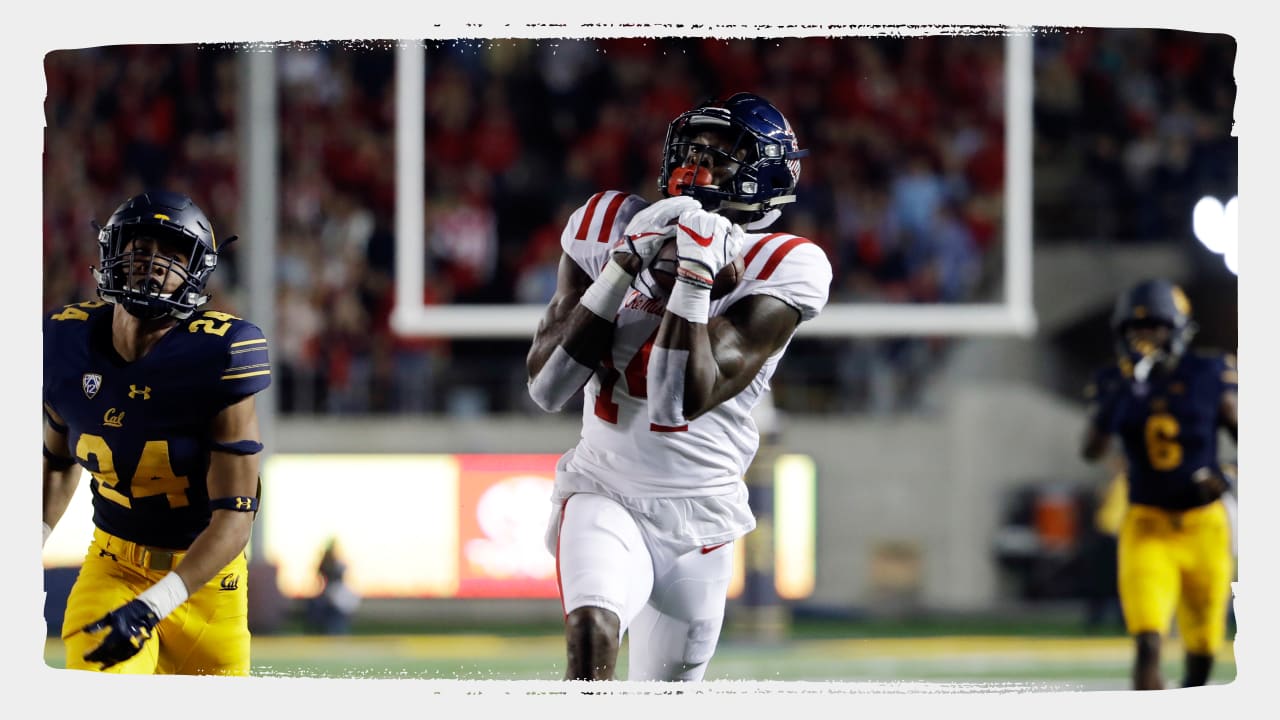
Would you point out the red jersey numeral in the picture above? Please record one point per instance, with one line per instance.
(637, 380)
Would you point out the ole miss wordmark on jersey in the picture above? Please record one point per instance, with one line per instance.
(141, 428)
(1171, 431)
(619, 442)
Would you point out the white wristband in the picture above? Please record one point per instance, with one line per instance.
(689, 301)
(165, 596)
(47, 530)
(605, 294)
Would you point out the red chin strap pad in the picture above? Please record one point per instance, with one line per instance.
(684, 177)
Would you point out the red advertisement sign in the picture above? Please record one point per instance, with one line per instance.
(504, 504)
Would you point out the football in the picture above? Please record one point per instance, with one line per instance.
(663, 269)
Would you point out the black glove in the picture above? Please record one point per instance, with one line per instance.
(129, 627)
(1209, 485)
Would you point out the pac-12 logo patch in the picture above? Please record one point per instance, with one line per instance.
(92, 383)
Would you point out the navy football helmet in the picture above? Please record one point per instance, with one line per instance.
(766, 176)
(134, 274)
(1150, 303)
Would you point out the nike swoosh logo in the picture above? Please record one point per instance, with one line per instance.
(710, 548)
(704, 241)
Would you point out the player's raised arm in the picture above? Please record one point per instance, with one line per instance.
(577, 328)
(698, 362)
(571, 338)
(695, 366)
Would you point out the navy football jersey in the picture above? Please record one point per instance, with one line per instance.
(1172, 431)
(142, 428)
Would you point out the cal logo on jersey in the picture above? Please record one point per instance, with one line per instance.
(92, 383)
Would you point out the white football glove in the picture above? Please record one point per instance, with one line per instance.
(652, 226)
(706, 242)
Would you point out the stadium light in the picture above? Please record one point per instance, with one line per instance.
(1216, 226)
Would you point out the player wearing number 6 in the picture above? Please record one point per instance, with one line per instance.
(671, 317)
(1167, 406)
(156, 400)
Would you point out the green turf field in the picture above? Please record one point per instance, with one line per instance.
(1021, 663)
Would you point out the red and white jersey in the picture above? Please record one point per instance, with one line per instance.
(619, 449)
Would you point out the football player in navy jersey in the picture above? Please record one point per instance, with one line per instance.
(155, 399)
(1167, 405)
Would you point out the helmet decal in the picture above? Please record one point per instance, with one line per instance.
(1180, 300)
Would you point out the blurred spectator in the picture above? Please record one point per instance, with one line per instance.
(462, 234)
(329, 611)
(537, 266)
(915, 195)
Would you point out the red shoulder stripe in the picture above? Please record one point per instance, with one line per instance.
(751, 254)
(609, 215)
(776, 258)
(586, 217)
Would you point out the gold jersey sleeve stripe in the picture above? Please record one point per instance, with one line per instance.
(245, 375)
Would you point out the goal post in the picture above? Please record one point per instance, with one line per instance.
(1014, 315)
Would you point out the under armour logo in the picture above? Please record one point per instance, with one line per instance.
(104, 553)
(145, 392)
(230, 582)
(244, 503)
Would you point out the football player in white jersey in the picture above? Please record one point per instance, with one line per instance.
(671, 317)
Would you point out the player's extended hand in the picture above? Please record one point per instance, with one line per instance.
(707, 240)
(651, 227)
(128, 629)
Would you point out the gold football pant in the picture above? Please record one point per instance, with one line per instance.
(1177, 560)
(206, 635)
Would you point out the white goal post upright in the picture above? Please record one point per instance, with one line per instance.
(411, 75)
(1015, 315)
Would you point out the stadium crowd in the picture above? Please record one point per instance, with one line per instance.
(904, 187)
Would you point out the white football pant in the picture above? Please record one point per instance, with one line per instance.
(672, 604)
